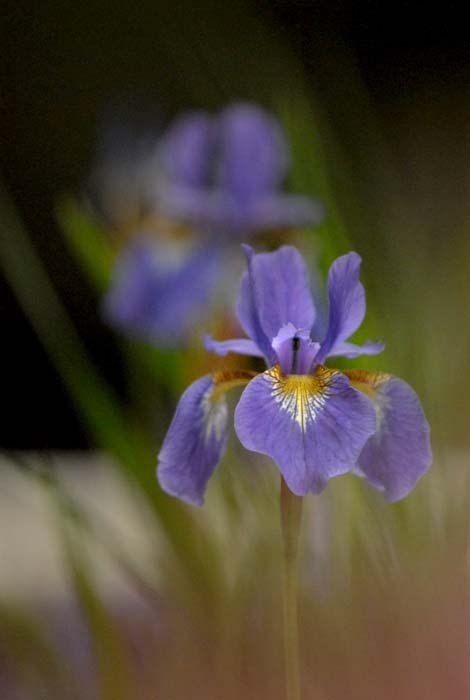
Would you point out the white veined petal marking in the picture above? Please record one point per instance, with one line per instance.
(214, 415)
(369, 383)
(302, 396)
(213, 404)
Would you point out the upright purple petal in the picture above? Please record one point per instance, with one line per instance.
(186, 149)
(253, 152)
(312, 426)
(155, 297)
(274, 291)
(399, 452)
(194, 442)
(248, 310)
(346, 300)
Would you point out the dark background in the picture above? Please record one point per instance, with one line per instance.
(63, 64)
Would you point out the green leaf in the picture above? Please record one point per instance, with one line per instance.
(87, 240)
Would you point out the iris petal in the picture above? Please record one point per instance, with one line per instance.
(196, 438)
(240, 346)
(185, 149)
(294, 349)
(253, 152)
(276, 211)
(346, 300)
(224, 174)
(156, 298)
(312, 426)
(274, 291)
(248, 312)
(399, 452)
(344, 349)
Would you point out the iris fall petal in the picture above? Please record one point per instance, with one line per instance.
(194, 442)
(399, 452)
(312, 426)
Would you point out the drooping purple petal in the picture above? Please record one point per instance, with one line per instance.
(276, 210)
(346, 300)
(194, 442)
(155, 297)
(240, 346)
(217, 211)
(294, 349)
(274, 291)
(312, 426)
(399, 452)
(253, 152)
(128, 301)
(186, 150)
(345, 349)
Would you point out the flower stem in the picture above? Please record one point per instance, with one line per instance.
(291, 511)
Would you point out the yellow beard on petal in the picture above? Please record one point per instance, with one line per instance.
(366, 381)
(226, 379)
(302, 396)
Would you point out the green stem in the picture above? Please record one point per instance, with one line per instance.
(291, 511)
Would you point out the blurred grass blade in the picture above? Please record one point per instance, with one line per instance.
(25, 644)
(93, 249)
(95, 401)
(87, 240)
(112, 661)
(310, 174)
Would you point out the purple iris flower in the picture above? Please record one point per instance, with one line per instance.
(156, 294)
(314, 422)
(221, 177)
(225, 174)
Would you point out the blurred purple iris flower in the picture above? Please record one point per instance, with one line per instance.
(225, 174)
(314, 422)
(158, 295)
(220, 177)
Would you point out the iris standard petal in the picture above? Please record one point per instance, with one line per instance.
(253, 152)
(186, 148)
(248, 309)
(274, 291)
(399, 452)
(240, 346)
(196, 438)
(312, 426)
(156, 297)
(346, 301)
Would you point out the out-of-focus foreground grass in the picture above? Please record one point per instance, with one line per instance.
(110, 589)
